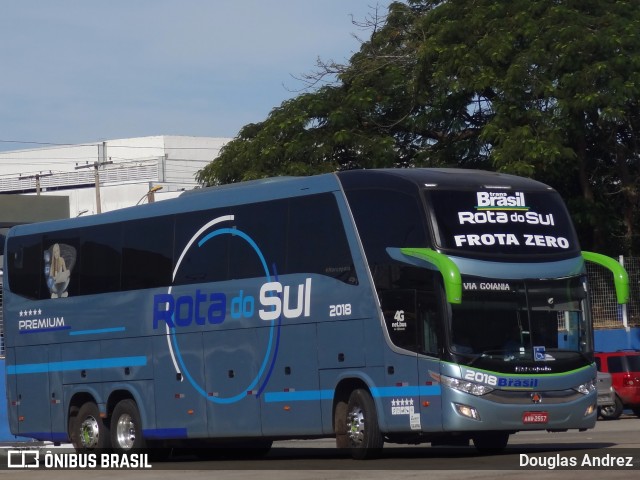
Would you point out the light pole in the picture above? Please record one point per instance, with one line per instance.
(149, 195)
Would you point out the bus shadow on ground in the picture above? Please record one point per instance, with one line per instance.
(411, 458)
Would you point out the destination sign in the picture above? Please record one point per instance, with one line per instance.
(517, 223)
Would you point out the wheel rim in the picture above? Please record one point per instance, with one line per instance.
(126, 432)
(89, 432)
(355, 425)
(608, 411)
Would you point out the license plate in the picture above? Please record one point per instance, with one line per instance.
(535, 417)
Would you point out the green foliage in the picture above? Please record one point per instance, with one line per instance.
(542, 88)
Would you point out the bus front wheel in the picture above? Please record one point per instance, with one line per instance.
(126, 427)
(87, 430)
(363, 431)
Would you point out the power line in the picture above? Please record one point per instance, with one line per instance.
(194, 165)
(22, 142)
(47, 158)
(111, 145)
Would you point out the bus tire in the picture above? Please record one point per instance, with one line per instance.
(126, 427)
(340, 425)
(87, 430)
(365, 438)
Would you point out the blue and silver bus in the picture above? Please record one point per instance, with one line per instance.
(395, 305)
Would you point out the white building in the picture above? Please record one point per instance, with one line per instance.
(126, 170)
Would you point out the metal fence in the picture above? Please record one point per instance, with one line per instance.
(606, 311)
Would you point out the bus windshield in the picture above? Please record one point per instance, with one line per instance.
(507, 322)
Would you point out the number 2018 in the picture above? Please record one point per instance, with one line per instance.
(340, 310)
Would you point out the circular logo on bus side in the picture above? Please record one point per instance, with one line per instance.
(199, 240)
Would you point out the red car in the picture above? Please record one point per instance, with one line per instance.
(624, 367)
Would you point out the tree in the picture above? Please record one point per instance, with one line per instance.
(542, 88)
(561, 81)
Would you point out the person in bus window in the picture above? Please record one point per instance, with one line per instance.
(58, 273)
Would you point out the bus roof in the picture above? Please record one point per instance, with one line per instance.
(455, 178)
(284, 187)
(198, 199)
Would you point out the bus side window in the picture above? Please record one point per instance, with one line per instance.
(413, 319)
(208, 262)
(60, 254)
(387, 218)
(100, 259)
(431, 322)
(26, 267)
(265, 224)
(400, 314)
(147, 253)
(317, 242)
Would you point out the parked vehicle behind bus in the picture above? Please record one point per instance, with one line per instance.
(624, 368)
(606, 393)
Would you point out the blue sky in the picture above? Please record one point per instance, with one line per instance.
(75, 71)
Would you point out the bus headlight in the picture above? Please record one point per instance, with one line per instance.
(586, 388)
(464, 386)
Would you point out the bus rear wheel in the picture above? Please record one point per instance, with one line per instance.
(87, 430)
(126, 427)
(363, 431)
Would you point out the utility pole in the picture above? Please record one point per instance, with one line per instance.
(37, 177)
(102, 160)
(97, 178)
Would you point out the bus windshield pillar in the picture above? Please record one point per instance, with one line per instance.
(620, 276)
(448, 269)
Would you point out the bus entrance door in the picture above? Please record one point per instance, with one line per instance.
(401, 397)
(414, 324)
